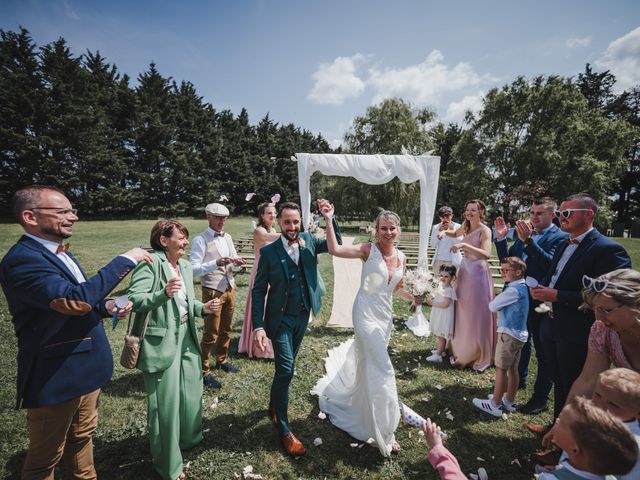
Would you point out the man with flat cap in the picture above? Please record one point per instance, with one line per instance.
(214, 257)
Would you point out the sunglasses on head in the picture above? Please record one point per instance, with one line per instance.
(567, 212)
(600, 286)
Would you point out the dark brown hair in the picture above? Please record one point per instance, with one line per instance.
(290, 206)
(165, 228)
(261, 209)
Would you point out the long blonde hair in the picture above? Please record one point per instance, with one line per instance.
(482, 208)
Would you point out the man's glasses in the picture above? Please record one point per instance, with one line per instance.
(567, 212)
(59, 211)
(600, 286)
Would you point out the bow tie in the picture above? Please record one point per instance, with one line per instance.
(63, 248)
(573, 241)
(218, 234)
(294, 242)
(535, 233)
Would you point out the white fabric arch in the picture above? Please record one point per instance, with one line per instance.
(376, 170)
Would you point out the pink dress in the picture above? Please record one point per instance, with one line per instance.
(605, 341)
(246, 343)
(474, 336)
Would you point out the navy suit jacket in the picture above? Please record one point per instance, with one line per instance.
(63, 351)
(594, 256)
(539, 254)
(272, 277)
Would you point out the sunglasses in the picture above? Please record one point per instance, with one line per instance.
(567, 212)
(600, 286)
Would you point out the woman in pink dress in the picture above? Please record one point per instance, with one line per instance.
(474, 336)
(264, 234)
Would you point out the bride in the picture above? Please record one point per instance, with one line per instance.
(358, 392)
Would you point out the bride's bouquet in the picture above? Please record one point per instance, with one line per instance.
(420, 283)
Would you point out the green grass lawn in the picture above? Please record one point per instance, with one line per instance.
(237, 431)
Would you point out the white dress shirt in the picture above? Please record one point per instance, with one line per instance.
(566, 255)
(292, 250)
(66, 259)
(444, 244)
(199, 248)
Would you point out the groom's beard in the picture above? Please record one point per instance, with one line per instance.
(291, 236)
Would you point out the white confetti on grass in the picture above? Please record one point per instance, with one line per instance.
(439, 387)
(482, 474)
(317, 441)
(322, 416)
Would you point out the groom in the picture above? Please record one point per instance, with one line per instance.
(287, 278)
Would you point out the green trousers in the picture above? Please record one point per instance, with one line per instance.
(174, 403)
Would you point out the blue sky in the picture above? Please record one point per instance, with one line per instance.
(319, 64)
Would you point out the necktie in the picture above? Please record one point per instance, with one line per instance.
(573, 241)
(63, 248)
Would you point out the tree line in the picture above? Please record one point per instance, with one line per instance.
(116, 150)
(157, 149)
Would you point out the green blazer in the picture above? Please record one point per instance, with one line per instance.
(272, 278)
(161, 340)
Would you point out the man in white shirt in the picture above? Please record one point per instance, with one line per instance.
(214, 257)
(443, 243)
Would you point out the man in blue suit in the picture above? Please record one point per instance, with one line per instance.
(535, 243)
(565, 329)
(287, 279)
(64, 357)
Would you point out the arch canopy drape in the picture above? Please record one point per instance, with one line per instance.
(376, 170)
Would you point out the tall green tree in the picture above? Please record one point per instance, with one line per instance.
(22, 113)
(540, 137)
(391, 127)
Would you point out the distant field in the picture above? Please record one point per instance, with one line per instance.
(237, 431)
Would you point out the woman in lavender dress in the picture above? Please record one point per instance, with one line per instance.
(474, 336)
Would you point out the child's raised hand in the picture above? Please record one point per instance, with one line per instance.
(432, 433)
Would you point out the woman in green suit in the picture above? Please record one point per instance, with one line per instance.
(170, 354)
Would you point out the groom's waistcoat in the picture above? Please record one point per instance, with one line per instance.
(298, 296)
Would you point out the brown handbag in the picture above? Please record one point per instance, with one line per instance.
(133, 343)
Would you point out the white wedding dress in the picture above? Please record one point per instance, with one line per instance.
(358, 392)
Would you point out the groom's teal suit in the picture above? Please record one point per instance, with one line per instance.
(291, 291)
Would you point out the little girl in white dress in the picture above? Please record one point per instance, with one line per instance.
(442, 313)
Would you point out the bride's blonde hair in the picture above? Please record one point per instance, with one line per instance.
(390, 217)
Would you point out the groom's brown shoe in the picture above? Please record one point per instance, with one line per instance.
(293, 446)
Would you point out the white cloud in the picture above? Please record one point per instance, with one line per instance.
(425, 82)
(337, 81)
(622, 58)
(457, 110)
(578, 42)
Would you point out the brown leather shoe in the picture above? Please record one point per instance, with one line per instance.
(547, 458)
(273, 415)
(540, 430)
(293, 446)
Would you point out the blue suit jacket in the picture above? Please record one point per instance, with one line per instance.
(539, 254)
(63, 351)
(272, 277)
(594, 256)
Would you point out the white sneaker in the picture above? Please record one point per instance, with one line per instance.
(488, 407)
(435, 358)
(506, 404)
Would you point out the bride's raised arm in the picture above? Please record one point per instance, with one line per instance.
(344, 251)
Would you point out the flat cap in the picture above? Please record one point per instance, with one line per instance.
(216, 209)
